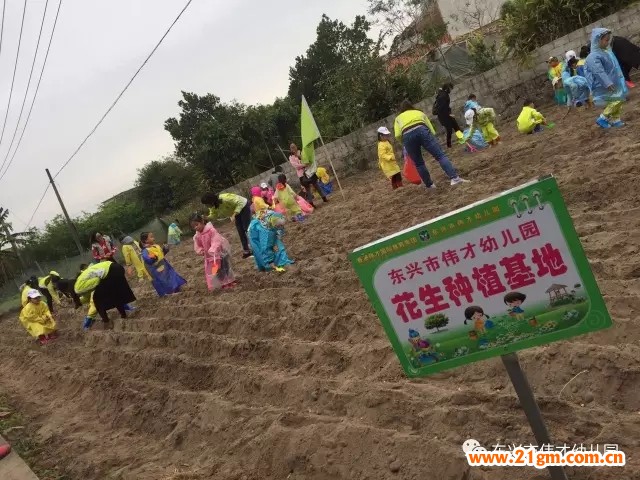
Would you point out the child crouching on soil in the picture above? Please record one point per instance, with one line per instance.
(265, 235)
(530, 120)
(216, 251)
(37, 319)
(483, 120)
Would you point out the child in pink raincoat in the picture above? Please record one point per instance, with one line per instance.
(216, 250)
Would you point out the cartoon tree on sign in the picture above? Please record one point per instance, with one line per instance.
(436, 321)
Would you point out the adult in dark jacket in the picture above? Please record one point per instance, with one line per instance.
(628, 55)
(443, 110)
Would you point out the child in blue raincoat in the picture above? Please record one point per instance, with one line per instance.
(606, 79)
(575, 85)
(476, 140)
(265, 237)
(165, 279)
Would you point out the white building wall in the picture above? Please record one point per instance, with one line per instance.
(464, 16)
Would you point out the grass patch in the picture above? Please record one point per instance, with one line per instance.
(14, 428)
(9, 304)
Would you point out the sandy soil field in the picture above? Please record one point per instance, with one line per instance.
(291, 376)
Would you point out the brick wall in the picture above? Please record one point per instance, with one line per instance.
(503, 88)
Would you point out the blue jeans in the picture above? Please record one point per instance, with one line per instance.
(419, 138)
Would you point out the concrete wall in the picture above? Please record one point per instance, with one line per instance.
(503, 88)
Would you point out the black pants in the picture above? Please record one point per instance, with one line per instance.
(312, 181)
(105, 317)
(396, 181)
(243, 219)
(626, 71)
(450, 124)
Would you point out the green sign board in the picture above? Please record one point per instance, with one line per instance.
(500, 275)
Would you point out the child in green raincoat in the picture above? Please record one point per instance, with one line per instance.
(174, 233)
(286, 197)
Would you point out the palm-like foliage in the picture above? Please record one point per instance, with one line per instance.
(10, 242)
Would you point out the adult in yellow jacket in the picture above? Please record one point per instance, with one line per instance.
(387, 158)
(530, 120)
(132, 254)
(107, 283)
(416, 132)
(37, 319)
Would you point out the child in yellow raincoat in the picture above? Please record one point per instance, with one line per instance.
(484, 120)
(387, 158)
(530, 120)
(258, 204)
(324, 181)
(37, 319)
(132, 254)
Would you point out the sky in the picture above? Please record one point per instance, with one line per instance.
(239, 49)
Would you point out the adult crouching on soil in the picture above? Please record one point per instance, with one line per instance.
(234, 207)
(66, 287)
(307, 174)
(102, 248)
(443, 110)
(108, 283)
(415, 131)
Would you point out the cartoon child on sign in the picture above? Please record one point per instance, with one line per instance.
(515, 300)
(422, 348)
(479, 319)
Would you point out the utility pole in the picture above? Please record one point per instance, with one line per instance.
(72, 227)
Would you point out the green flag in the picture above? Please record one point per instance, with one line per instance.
(309, 132)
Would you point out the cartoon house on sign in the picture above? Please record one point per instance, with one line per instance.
(557, 292)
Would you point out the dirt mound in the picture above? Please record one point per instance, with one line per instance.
(291, 376)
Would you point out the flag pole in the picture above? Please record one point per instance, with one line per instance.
(317, 135)
(333, 169)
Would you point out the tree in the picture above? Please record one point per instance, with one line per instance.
(400, 19)
(358, 87)
(167, 184)
(528, 25)
(476, 14)
(227, 142)
(54, 241)
(436, 321)
(336, 45)
(485, 57)
(11, 244)
(434, 37)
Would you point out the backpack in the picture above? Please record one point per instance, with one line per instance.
(434, 109)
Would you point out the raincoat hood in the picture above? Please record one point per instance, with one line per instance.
(127, 241)
(596, 35)
(210, 242)
(469, 104)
